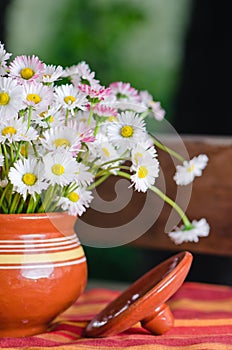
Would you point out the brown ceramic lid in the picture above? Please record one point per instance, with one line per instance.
(144, 300)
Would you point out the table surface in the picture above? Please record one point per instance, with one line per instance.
(203, 320)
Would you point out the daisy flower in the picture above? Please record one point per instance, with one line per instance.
(11, 97)
(145, 174)
(76, 202)
(51, 73)
(60, 167)
(103, 151)
(81, 74)
(38, 95)
(26, 68)
(140, 153)
(155, 107)
(50, 118)
(69, 97)
(127, 131)
(61, 136)
(1, 160)
(105, 111)
(27, 177)
(95, 93)
(126, 97)
(13, 130)
(83, 176)
(186, 173)
(199, 229)
(83, 131)
(4, 56)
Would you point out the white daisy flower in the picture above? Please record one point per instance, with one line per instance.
(61, 136)
(81, 74)
(4, 56)
(49, 118)
(145, 174)
(103, 151)
(199, 229)
(12, 130)
(60, 167)
(127, 131)
(83, 176)
(52, 73)
(186, 173)
(76, 202)
(83, 131)
(83, 116)
(27, 177)
(69, 97)
(1, 160)
(140, 153)
(126, 97)
(26, 68)
(103, 110)
(38, 95)
(157, 111)
(11, 97)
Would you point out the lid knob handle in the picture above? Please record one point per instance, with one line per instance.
(160, 321)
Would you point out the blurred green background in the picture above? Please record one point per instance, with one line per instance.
(134, 41)
(140, 42)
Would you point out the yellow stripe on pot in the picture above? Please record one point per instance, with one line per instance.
(41, 258)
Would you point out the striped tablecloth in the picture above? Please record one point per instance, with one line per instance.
(203, 320)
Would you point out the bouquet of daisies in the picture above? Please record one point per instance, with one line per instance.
(62, 134)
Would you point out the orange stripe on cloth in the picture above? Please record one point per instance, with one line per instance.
(204, 346)
(200, 323)
(204, 305)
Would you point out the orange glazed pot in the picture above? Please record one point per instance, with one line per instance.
(43, 270)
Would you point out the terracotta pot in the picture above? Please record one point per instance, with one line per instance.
(43, 271)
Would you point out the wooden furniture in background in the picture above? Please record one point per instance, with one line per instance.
(211, 197)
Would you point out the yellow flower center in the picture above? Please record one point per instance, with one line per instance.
(127, 131)
(23, 150)
(9, 130)
(46, 76)
(42, 114)
(61, 142)
(137, 156)
(33, 98)
(191, 168)
(29, 179)
(73, 197)
(51, 119)
(27, 73)
(69, 100)
(112, 119)
(105, 151)
(142, 173)
(4, 98)
(58, 169)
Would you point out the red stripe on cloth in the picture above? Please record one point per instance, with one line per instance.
(202, 321)
(202, 291)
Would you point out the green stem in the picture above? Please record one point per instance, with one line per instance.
(29, 117)
(90, 115)
(5, 158)
(98, 182)
(100, 173)
(168, 150)
(6, 189)
(66, 117)
(165, 198)
(14, 203)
